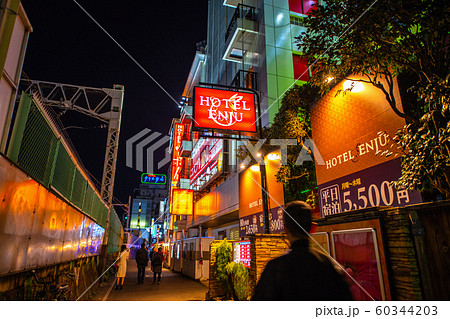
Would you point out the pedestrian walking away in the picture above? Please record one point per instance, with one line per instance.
(157, 261)
(122, 270)
(304, 273)
(142, 262)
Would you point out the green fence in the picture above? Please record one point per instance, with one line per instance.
(37, 149)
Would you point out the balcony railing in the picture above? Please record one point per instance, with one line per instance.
(242, 12)
(245, 79)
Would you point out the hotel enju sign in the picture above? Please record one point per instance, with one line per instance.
(224, 110)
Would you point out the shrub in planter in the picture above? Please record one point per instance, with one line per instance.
(223, 258)
(239, 281)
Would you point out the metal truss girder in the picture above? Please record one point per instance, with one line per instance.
(102, 104)
(87, 100)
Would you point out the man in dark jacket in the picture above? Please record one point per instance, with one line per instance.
(304, 273)
(142, 262)
(157, 261)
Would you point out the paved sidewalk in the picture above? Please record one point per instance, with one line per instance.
(173, 287)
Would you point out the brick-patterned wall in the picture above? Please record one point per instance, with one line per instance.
(215, 288)
(405, 278)
(264, 248)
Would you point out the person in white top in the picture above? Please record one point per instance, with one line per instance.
(124, 256)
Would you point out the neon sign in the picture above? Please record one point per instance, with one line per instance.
(225, 110)
(159, 179)
(177, 160)
(182, 201)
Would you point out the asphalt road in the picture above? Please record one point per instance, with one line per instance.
(173, 287)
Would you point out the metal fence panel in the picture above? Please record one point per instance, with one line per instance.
(37, 147)
(78, 189)
(47, 234)
(71, 235)
(63, 173)
(16, 216)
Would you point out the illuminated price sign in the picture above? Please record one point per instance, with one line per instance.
(241, 252)
(153, 179)
(368, 188)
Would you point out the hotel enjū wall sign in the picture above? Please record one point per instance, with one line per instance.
(353, 133)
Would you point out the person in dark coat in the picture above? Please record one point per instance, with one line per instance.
(157, 261)
(304, 273)
(142, 262)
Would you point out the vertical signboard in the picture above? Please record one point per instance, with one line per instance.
(177, 160)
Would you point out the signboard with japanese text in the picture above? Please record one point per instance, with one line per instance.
(182, 201)
(367, 188)
(353, 133)
(241, 253)
(254, 224)
(251, 219)
(251, 224)
(206, 162)
(224, 110)
(177, 160)
(158, 179)
(276, 220)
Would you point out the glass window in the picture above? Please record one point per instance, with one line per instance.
(301, 6)
(301, 71)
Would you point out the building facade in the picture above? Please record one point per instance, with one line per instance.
(250, 44)
(14, 31)
(146, 206)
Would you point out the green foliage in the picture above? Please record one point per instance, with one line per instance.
(383, 41)
(223, 258)
(292, 122)
(239, 279)
(426, 149)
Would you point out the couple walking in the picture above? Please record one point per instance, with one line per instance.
(142, 260)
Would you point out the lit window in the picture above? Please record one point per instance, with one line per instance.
(301, 71)
(301, 6)
(296, 20)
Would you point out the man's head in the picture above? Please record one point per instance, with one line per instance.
(160, 249)
(297, 219)
(143, 245)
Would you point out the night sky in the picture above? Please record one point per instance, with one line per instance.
(66, 46)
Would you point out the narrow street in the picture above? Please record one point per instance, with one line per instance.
(173, 287)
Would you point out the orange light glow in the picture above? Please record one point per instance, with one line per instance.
(273, 157)
(182, 201)
(353, 86)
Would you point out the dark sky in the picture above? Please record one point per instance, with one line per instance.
(66, 46)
